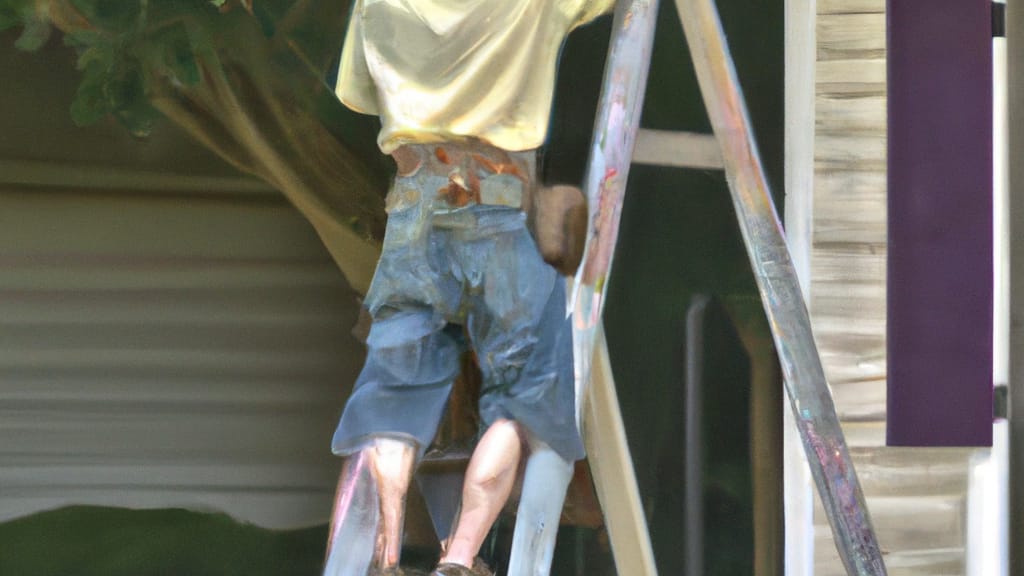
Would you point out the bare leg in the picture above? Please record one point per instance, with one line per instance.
(489, 479)
(540, 509)
(369, 508)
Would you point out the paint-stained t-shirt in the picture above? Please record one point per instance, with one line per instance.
(450, 70)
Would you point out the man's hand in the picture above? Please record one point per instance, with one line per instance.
(557, 217)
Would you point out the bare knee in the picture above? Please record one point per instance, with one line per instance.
(504, 432)
(496, 457)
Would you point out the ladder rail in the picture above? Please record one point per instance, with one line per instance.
(611, 155)
(779, 287)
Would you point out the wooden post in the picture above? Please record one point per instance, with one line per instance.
(800, 59)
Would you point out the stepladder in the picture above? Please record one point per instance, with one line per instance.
(611, 154)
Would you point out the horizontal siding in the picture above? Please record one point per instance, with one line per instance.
(173, 349)
(859, 36)
(917, 497)
(851, 78)
(849, 228)
(851, 7)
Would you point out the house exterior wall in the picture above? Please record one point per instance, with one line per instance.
(165, 350)
(172, 333)
(917, 497)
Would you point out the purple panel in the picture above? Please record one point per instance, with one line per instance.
(940, 223)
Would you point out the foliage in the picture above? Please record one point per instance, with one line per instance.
(122, 44)
(94, 541)
(245, 79)
(103, 541)
(36, 31)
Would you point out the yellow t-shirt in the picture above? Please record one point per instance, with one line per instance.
(449, 70)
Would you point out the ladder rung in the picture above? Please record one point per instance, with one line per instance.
(677, 149)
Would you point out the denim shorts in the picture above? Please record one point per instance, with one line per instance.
(445, 274)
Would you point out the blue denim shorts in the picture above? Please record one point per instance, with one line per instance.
(444, 274)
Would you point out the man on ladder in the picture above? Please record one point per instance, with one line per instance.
(464, 92)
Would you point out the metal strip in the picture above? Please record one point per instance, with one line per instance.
(611, 154)
(612, 147)
(694, 440)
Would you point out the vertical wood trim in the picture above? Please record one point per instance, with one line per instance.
(800, 50)
(768, 405)
(1015, 86)
(799, 135)
(1001, 218)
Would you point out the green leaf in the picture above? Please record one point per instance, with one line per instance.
(99, 55)
(90, 104)
(265, 17)
(125, 86)
(275, 9)
(23, 12)
(182, 64)
(9, 19)
(35, 35)
(15, 13)
(139, 119)
(175, 54)
(163, 11)
(111, 15)
(84, 39)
